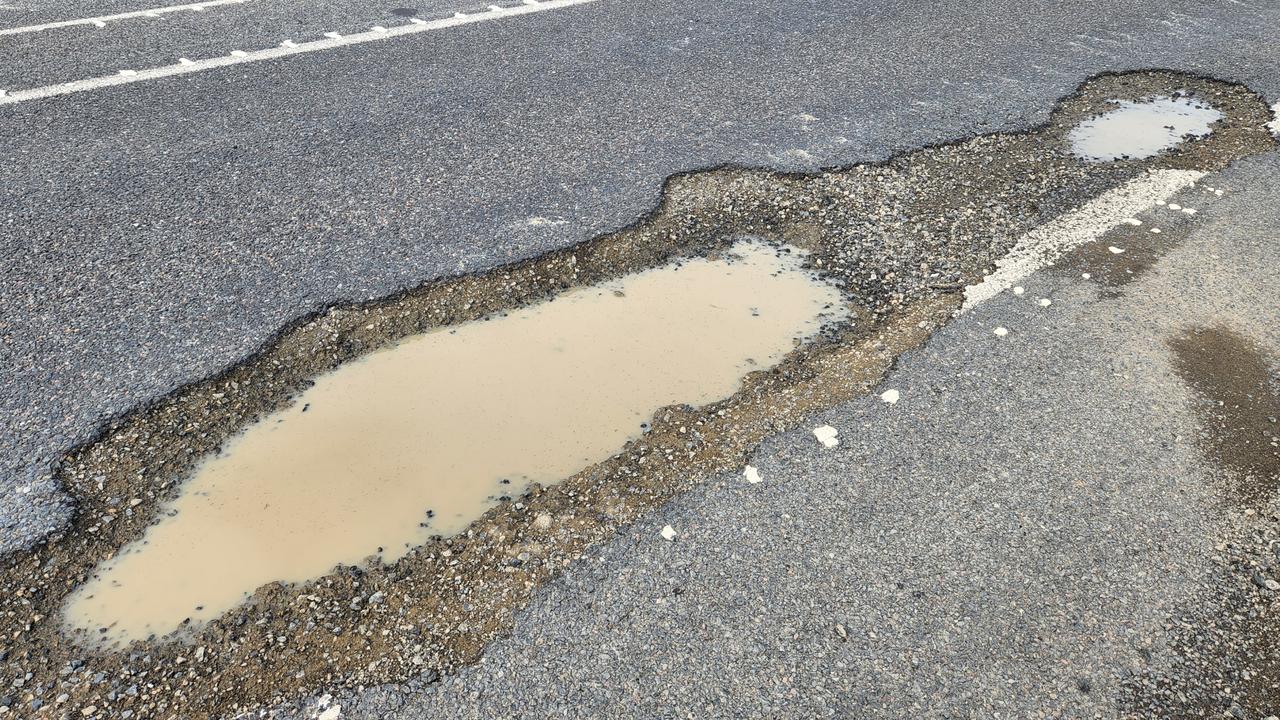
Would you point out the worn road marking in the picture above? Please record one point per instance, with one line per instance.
(1043, 245)
(102, 20)
(332, 41)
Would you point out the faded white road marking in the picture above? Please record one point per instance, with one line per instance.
(1274, 125)
(102, 20)
(332, 41)
(1047, 243)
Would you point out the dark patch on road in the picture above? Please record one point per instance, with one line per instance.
(404, 12)
(1222, 659)
(1239, 408)
(900, 238)
(1140, 250)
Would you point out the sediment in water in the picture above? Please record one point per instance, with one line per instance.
(900, 239)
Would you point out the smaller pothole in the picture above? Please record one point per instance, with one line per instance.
(1142, 129)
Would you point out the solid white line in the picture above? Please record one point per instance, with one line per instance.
(101, 20)
(17, 96)
(1045, 244)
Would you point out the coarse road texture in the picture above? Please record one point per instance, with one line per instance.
(158, 231)
(1007, 540)
(155, 232)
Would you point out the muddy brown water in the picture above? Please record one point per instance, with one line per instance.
(421, 438)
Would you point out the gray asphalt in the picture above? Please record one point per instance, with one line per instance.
(155, 232)
(1008, 540)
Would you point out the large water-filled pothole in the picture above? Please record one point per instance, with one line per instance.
(1141, 129)
(421, 438)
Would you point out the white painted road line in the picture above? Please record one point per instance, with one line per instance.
(1045, 244)
(17, 96)
(102, 20)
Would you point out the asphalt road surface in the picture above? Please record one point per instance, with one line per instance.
(154, 230)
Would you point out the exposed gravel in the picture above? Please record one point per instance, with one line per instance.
(157, 233)
(901, 239)
(1033, 530)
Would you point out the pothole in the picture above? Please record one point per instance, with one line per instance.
(422, 438)
(1142, 129)
(900, 240)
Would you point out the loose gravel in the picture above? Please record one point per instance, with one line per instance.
(901, 239)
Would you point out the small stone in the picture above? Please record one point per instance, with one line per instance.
(890, 396)
(1189, 211)
(1175, 206)
(668, 533)
(1155, 230)
(88, 710)
(1019, 290)
(543, 521)
(1132, 221)
(826, 435)
(1115, 250)
(377, 598)
(333, 712)
(1001, 331)
(1086, 276)
(752, 474)
(1045, 302)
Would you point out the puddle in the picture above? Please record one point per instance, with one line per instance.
(1142, 129)
(421, 438)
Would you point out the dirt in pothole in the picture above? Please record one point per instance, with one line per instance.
(899, 239)
(420, 439)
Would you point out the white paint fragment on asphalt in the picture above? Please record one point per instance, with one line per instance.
(1115, 250)
(333, 712)
(826, 435)
(1155, 230)
(1132, 221)
(1189, 211)
(1086, 276)
(752, 474)
(1175, 206)
(1001, 331)
(890, 396)
(1045, 302)
(1274, 125)
(668, 533)
(1019, 290)
(1045, 244)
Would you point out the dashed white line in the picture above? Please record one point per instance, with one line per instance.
(102, 20)
(1043, 245)
(332, 41)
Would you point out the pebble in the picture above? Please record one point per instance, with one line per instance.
(826, 435)
(669, 533)
(752, 474)
(1115, 249)
(890, 396)
(333, 712)
(1001, 331)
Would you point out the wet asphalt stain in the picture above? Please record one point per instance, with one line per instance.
(1125, 253)
(1239, 406)
(1221, 658)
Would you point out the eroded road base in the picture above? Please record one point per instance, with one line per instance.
(901, 239)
